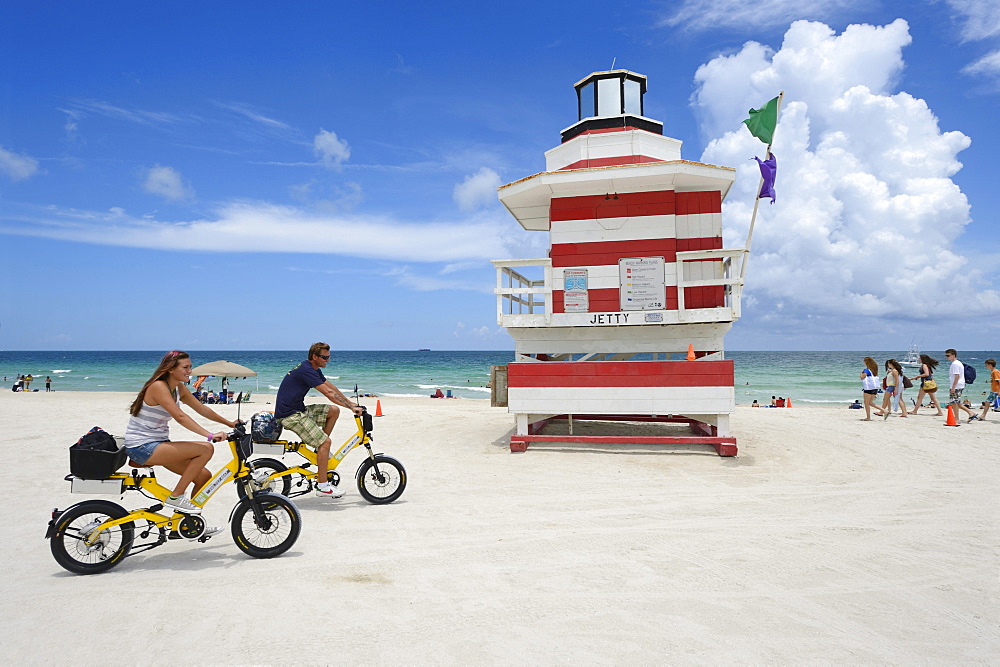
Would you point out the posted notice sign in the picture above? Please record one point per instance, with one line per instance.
(642, 285)
(576, 298)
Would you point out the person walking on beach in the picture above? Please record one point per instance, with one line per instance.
(893, 382)
(869, 385)
(991, 400)
(928, 385)
(898, 402)
(956, 378)
(147, 437)
(48, 383)
(315, 423)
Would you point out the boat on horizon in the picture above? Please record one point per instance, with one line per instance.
(423, 349)
(912, 358)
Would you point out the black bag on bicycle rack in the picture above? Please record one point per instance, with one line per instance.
(97, 455)
(264, 427)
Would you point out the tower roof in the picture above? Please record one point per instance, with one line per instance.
(611, 100)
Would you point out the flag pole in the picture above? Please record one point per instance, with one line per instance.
(756, 202)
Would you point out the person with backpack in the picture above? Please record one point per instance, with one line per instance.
(958, 379)
(994, 396)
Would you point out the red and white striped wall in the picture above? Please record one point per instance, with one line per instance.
(594, 232)
(700, 387)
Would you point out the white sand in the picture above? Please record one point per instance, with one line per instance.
(827, 540)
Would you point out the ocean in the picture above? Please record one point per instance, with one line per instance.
(817, 378)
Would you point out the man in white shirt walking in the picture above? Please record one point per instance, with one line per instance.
(956, 377)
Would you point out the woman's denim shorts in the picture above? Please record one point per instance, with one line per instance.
(141, 453)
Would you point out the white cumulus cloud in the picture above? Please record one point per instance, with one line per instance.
(477, 190)
(867, 213)
(167, 183)
(17, 166)
(330, 150)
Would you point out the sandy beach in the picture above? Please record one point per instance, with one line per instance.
(827, 539)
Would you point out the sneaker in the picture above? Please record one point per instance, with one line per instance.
(182, 505)
(328, 490)
(212, 530)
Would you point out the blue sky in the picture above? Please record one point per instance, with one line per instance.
(258, 176)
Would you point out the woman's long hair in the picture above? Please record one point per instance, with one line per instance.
(929, 362)
(871, 365)
(167, 363)
(892, 363)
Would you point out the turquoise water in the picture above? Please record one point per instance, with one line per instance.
(806, 377)
(408, 373)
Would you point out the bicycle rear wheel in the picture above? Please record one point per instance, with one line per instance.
(269, 532)
(69, 542)
(261, 469)
(382, 480)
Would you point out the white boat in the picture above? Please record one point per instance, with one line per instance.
(912, 358)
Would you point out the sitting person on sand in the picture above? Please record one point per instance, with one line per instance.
(755, 404)
(147, 437)
(314, 423)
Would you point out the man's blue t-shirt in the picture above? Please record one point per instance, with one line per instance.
(294, 387)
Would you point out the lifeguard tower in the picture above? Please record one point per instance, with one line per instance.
(625, 318)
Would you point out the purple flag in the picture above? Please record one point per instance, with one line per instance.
(768, 169)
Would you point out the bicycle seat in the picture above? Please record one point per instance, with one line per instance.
(133, 464)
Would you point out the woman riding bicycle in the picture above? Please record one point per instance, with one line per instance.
(147, 438)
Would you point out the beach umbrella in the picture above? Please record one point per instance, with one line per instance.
(223, 369)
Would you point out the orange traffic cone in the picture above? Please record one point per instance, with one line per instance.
(378, 408)
(788, 402)
(691, 356)
(951, 421)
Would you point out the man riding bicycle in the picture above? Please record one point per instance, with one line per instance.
(313, 423)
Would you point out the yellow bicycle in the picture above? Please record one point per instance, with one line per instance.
(95, 535)
(381, 478)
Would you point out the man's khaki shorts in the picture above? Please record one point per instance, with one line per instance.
(308, 425)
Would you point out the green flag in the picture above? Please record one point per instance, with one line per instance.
(762, 121)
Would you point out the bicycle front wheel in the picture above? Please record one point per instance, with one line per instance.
(74, 545)
(269, 531)
(381, 480)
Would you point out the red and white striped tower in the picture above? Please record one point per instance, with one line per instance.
(635, 278)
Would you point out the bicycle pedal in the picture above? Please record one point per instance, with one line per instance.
(155, 508)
